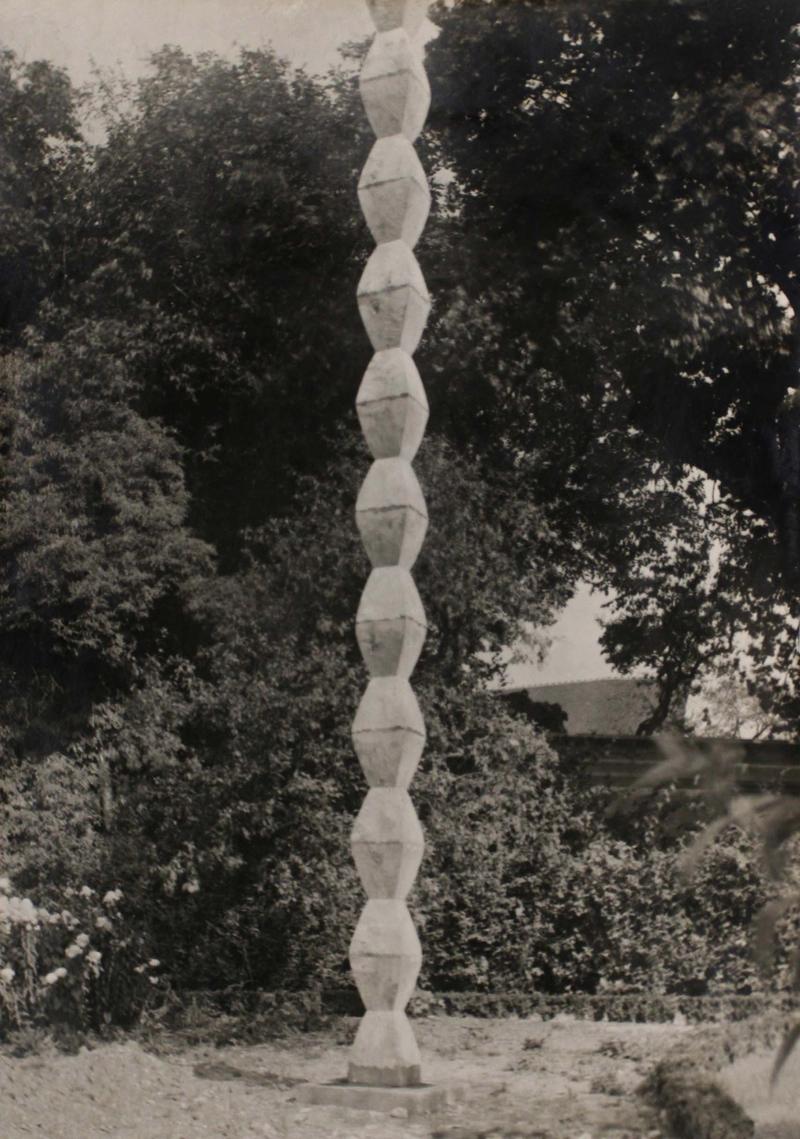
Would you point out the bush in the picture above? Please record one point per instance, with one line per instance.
(524, 887)
(234, 792)
(638, 925)
(50, 820)
(238, 872)
(501, 824)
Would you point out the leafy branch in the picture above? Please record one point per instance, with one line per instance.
(772, 819)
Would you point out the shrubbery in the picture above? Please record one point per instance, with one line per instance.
(76, 968)
(238, 873)
(524, 886)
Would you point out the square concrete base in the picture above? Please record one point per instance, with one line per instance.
(421, 1100)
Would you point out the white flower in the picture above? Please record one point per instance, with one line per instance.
(73, 951)
(7, 974)
(112, 897)
(86, 891)
(154, 962)
(191, 887)
(50, 979)
(82, 940)
(61, 971)
(103, 923)
(23, 909)
(5, 884)
(94, 956)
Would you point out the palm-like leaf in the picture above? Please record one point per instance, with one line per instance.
(713, 769)
(679, 762)
(691, 857)
(780, 822)
(772, 819)
(764, 925)
(794, 969)
(784, 1052)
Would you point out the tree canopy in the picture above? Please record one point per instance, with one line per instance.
(610, 365)
(625, 176)
(39, 139)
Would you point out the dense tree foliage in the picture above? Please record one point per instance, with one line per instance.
(626, 175)
(612, 257)
(39, 144)
(218, 221)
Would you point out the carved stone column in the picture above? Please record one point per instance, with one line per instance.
(388, 731)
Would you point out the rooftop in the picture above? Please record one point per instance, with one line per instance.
(607, 706)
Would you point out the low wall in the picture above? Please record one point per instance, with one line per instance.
(617, 761)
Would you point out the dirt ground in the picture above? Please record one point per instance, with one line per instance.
(561, 1079)
(526, 1078)
(775, 1111)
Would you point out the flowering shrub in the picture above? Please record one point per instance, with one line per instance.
(77, 967)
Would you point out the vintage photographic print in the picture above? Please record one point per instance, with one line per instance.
(400, 547)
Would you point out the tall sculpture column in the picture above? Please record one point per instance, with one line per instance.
(388, 731)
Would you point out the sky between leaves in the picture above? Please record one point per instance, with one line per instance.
(80, 35)
(74, 33)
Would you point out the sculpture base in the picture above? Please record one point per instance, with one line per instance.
(400, 1076)
(420, 1100)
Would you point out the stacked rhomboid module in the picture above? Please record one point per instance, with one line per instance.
(388, 731)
